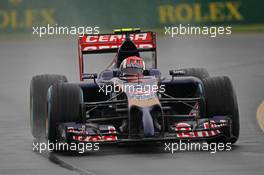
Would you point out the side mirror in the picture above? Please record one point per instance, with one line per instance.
(89, 76)
(175, 73)
(146, 73)
(116, 73)
(155, 72)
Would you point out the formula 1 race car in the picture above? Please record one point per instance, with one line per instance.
(130, 101)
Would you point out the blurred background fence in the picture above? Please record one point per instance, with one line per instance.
(19, 16)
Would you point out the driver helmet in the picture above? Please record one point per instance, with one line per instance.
(132, 65)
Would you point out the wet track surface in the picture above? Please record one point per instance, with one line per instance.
(239, 56)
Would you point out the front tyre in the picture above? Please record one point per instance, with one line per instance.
(221, 100)
(65, 104)
(39, 86)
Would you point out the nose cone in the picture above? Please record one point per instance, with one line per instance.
(147, 121)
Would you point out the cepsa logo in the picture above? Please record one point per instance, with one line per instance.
(112, 41)
(200, 12)
(116, 38)
(18, 17)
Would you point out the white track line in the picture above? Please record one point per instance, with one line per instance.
(260, 115)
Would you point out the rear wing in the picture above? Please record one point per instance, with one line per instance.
(109, 43)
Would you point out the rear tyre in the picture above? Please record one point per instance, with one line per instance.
(200, 73)
(65, 104)
(39, 86)
(221, 100)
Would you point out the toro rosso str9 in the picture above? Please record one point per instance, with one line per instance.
(130, 101)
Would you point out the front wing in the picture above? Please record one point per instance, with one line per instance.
(200, 129)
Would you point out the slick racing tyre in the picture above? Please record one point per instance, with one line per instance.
(38, 97)
(65, 104)
(200, 73)
(221, 100)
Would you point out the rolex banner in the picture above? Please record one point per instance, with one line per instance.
(20, 16)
